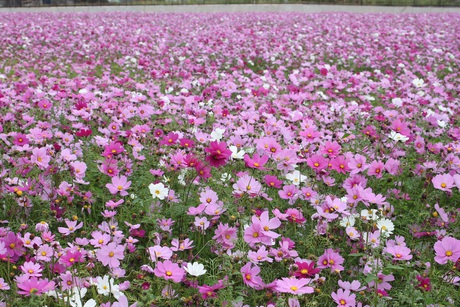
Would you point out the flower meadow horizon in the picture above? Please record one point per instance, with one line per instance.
(253, 159)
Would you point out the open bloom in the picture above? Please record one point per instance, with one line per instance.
(447, 249)
(119, 184)
(158, 190)
(218, 153)
(294, 286)
(344, 298)
(443, 182)
(195, 269)
(111, 254)
(169, 270)
(251, 276)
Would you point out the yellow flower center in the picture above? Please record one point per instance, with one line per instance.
(449, 253)
(294, 288)
(168, 273)
(111, 254)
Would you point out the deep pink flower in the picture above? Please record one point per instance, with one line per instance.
(305, 269)
(169, 270)
(20, 139)
(424, 283)
(272, 181)
(112, 149)
(218, 153)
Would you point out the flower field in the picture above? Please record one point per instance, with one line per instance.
(256, 159)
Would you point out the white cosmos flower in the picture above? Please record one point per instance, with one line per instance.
(195, 269)
(369, 214)
(418, 83)
(158, 190)
(296, 177)
(237, 155)
(441, 123)
(217, 134)
(398, 137)
(386, 227)
(348, 221)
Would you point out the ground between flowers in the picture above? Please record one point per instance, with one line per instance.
(229, 159)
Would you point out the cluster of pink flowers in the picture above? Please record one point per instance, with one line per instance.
(186, 158)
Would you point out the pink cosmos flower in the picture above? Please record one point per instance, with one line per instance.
(331, 149)
(112, 149)
(376, 168)
(251, 276)
(260, 255)
(34, 286)
(40, 157)
(294, 286)
(247, 184)
(331, 259)
(111, 254)
(3, 285)
(357, 164)
(99, 239)
(14, 246)
(256, 161)
(355, 285)
(31, 269)
(382, 282)
(156, 252)
(398, 252)
(169, 270)
(443, 182)
(225, 235)
(344, 298)
(448, 249)
(119, 184)
(317, 162)
(71, 227)
(218, 153)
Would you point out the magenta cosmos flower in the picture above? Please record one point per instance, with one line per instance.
(218, 153)
(169, 270)
(294, 286)
(447, 249)
(119, 184)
